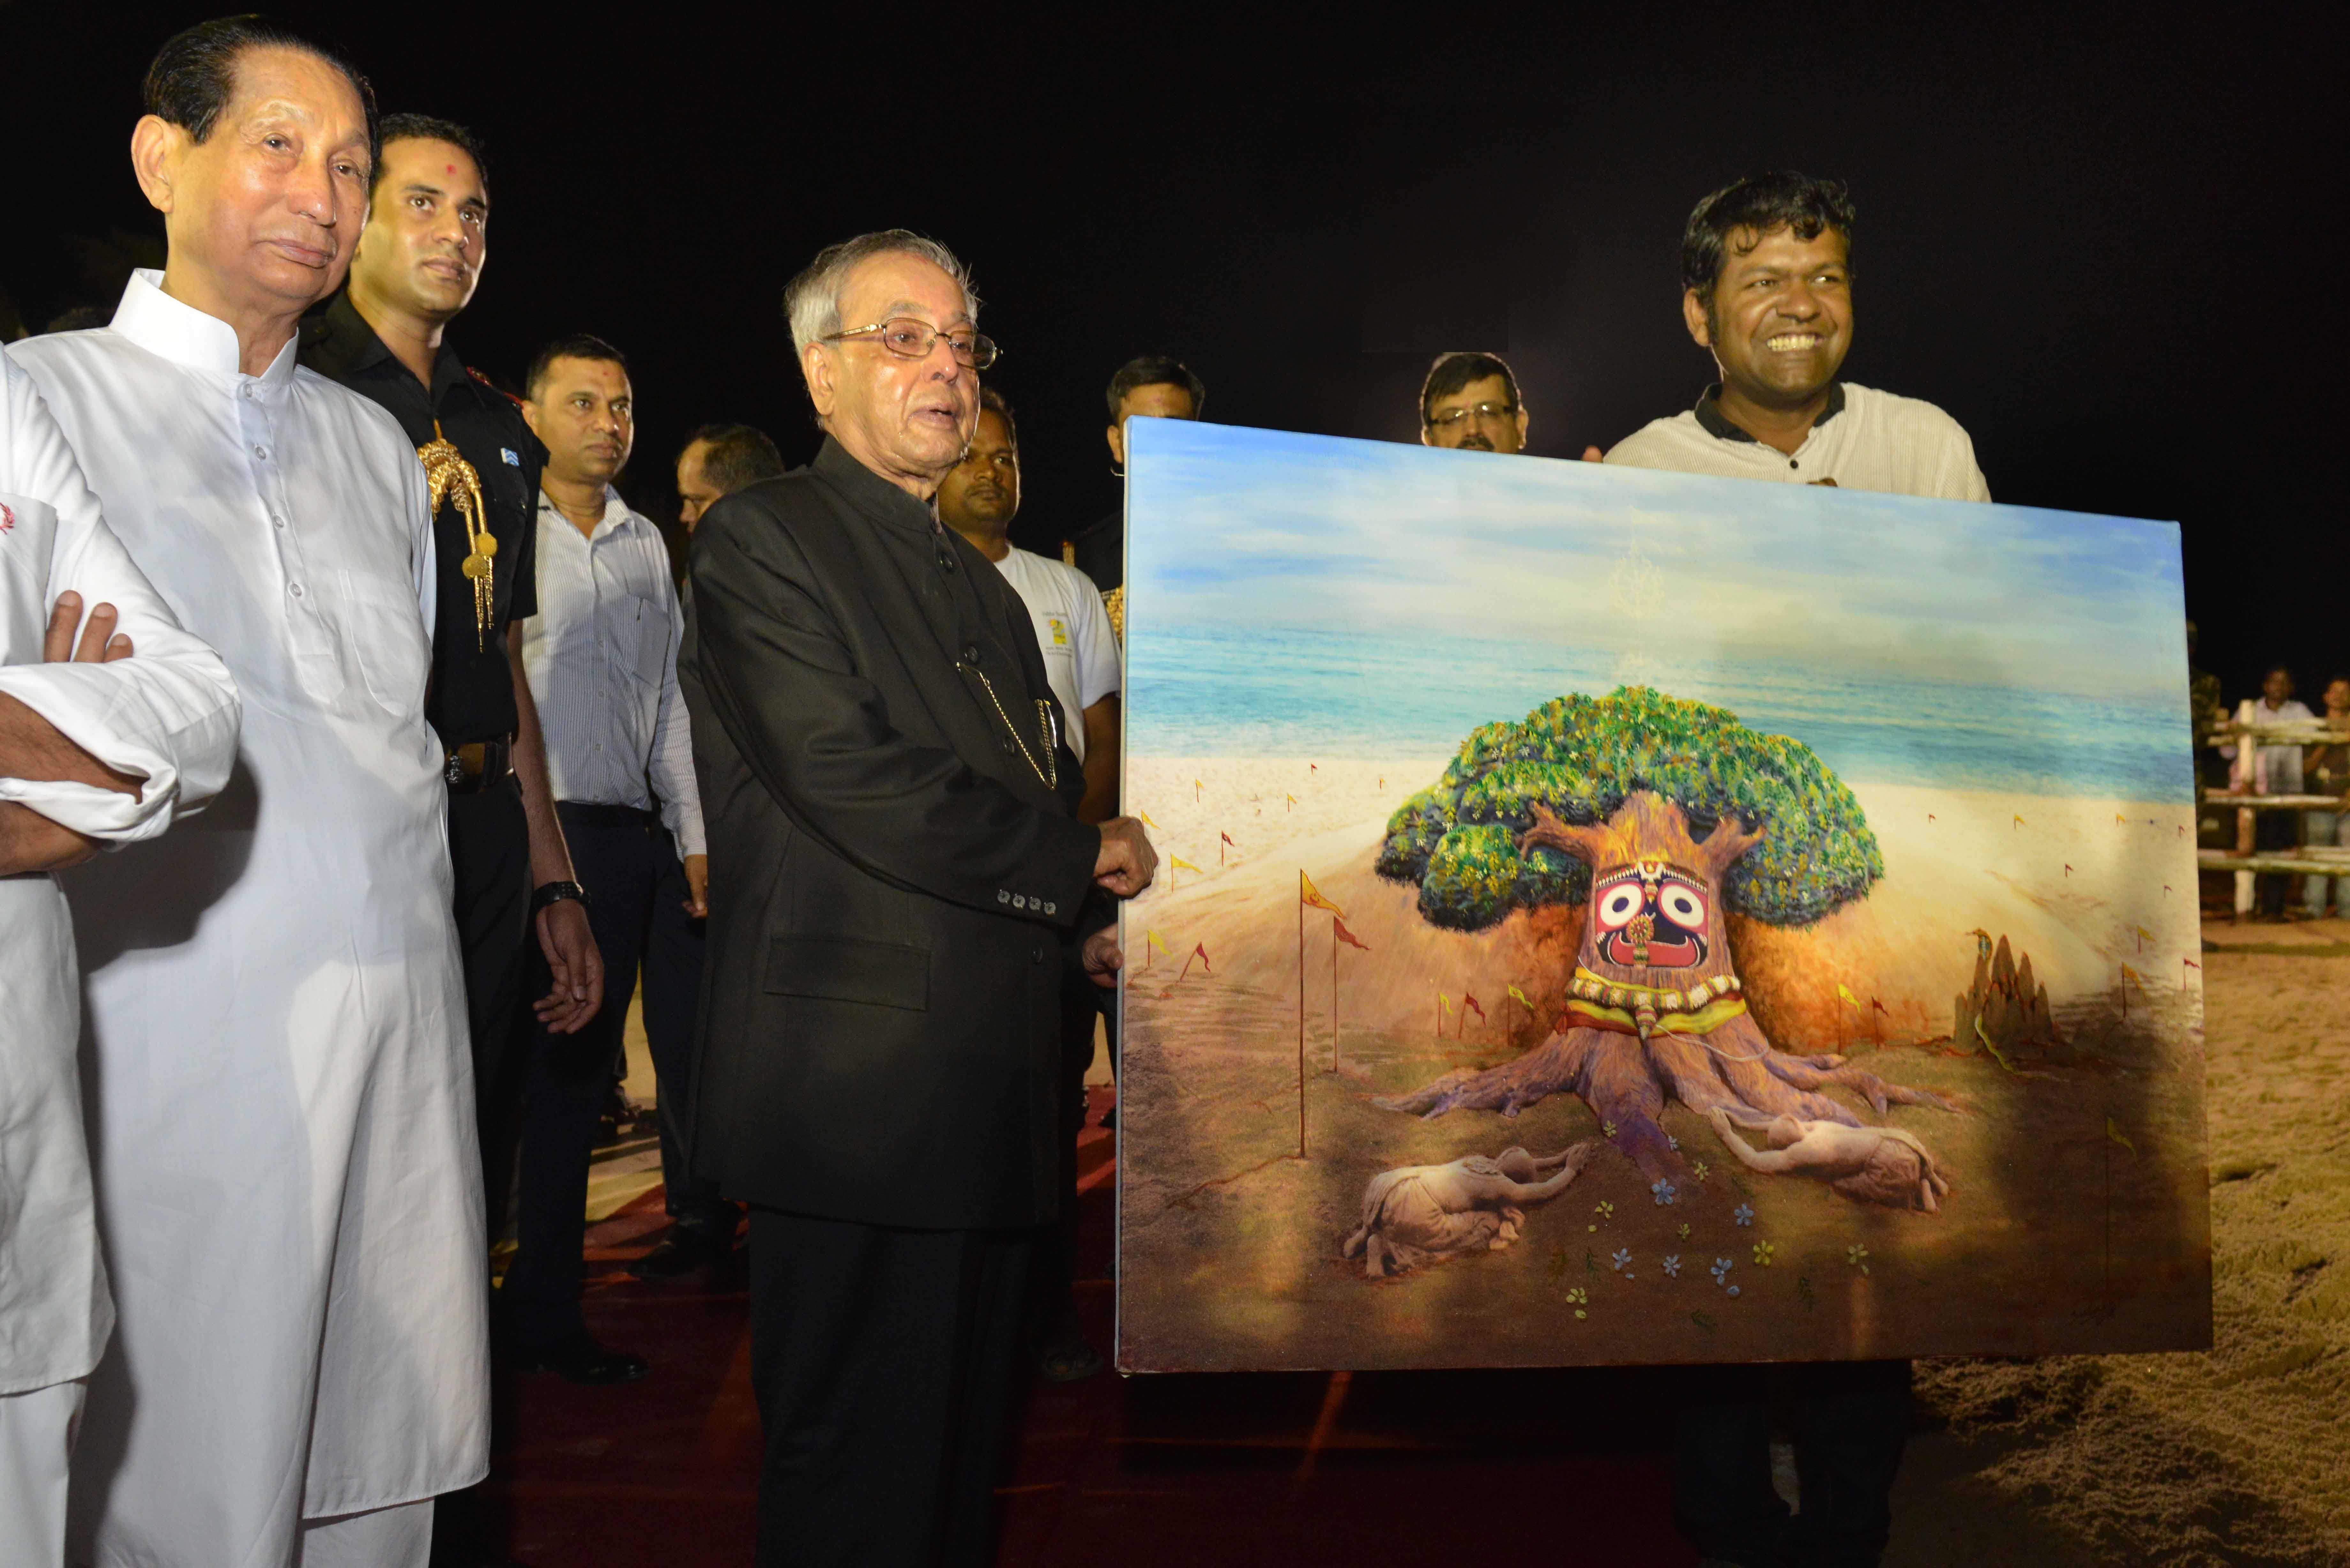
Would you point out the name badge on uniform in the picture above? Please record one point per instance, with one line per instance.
(510, 455)
(1059, 628)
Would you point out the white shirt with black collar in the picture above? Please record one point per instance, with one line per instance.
(1864, 440)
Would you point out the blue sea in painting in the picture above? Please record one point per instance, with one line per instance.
(1210, 691)
(1292, 595)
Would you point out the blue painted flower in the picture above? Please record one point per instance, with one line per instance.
(1733, 1290)
(1662, 1190)
(1623, 1257)
(1743, 1214)
(1720, 1270)
(1674, 1141)
(1673, 1266)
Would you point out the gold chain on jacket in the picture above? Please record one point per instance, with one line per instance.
(449, 475)
(1050, 773)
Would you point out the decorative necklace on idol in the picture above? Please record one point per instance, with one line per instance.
(450, 476)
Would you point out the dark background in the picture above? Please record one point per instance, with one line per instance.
(2112, 247)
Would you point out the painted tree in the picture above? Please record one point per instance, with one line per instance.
(1662, 816)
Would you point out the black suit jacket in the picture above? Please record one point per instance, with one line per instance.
(894, 888)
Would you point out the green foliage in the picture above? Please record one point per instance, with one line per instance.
(1580, 757)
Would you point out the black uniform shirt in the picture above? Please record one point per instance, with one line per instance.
(472, 695)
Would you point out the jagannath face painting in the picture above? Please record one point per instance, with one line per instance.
(1652, 915)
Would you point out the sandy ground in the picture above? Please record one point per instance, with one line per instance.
(2233, 1456)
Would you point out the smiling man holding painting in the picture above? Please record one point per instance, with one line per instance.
(1766, 289)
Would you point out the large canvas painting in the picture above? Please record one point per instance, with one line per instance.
(1610, 916)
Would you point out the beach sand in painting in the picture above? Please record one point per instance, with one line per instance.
(1230, 1242)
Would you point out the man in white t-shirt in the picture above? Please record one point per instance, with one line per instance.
(978, 499)
(1766, 282)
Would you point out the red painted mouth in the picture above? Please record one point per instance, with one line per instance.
(1664, 953)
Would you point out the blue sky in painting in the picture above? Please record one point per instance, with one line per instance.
(1234, 532)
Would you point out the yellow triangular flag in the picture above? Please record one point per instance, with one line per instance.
(2114, 1133)
(1146, 820)
(1152, 937)
(2132, 975)
(1181, 863)
(1847, 995)
(1309, 894)
(1445, 1000)
(2144, 935)
(1520, 998)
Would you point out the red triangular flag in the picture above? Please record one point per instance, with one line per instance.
(1227, 838)
(1470, 1002)
(1338, 928)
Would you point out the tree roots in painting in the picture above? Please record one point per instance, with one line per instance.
(1626, 1083)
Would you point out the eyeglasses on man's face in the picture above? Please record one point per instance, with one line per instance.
(912, 339)
(1484, 413)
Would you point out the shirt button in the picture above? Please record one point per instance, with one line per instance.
(277, 522)
(1792, 464)
(262, 453)
(295, 590)
(971, 653)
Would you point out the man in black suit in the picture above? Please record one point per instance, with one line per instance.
(897, 884)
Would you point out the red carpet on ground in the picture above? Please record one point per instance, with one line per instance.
(1370, 1471)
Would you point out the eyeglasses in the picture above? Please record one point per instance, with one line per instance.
(912, 339)
(1483, 411)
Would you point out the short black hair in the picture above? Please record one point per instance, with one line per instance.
(736, 456)
(1450, 372)
(1761, 203)
(428, 127)
(578, 345)
(79, 318)
(993, 403)
(193, 74)
(1155, 370)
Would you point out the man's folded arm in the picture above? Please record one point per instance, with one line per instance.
(818, 735)
(167, 715)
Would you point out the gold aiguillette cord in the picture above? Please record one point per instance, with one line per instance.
(450, 476)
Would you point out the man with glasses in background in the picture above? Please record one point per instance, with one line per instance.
(901, 884)
(1470, 402)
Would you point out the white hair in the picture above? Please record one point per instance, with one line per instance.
(811, 300)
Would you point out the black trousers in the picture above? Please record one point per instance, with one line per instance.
(628, 863)
(1057, 1245)
(489, 849)
(882, 1362)
(1851, 1421)
(2274, 830)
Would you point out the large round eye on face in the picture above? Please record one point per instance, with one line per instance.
(1683, 905)
(1617, 904)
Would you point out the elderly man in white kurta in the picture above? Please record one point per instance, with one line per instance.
(111, 723)
(288, 1189)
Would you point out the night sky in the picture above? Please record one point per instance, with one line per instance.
(2112, 248)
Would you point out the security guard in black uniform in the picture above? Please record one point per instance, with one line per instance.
(415, 269)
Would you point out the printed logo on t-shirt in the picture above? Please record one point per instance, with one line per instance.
(511, 455)
(1059, 628)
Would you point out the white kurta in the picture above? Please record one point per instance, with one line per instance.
(288, 1187)
(168, 713)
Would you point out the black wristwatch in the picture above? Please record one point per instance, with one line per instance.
(557, 893)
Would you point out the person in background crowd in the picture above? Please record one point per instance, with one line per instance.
(2272, 768)
(601, 655)
(1157, 387)
(112, 726)
(2326, 770)
(718, 460)
(901, 885)
(1766, 280)
(288, 1185)
(384, 337)
(978, 499)
(1470, 401)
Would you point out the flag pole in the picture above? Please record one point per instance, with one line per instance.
(1334, 993)
(1301, 1013)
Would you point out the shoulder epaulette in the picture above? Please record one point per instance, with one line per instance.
(493, 386)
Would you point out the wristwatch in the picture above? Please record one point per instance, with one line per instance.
(557, 893)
